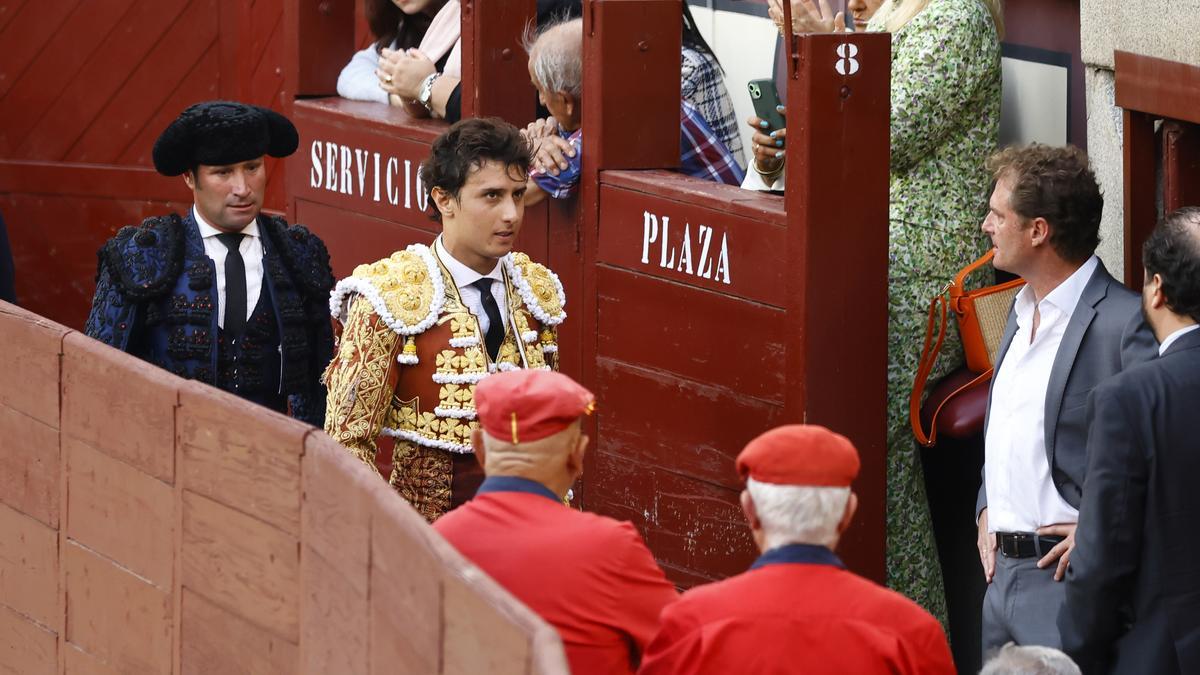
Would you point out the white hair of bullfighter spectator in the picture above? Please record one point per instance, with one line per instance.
(556, 56)
(798, 514)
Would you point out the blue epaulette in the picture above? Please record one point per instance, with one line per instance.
(305, 256)
(145, 260)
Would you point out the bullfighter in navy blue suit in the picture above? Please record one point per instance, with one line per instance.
(223, 294)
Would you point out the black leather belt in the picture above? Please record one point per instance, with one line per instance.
(1025, 544)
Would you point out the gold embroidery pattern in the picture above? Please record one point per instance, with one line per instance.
(357, 380)
(541, 282)
(404, 283)
(422, 476)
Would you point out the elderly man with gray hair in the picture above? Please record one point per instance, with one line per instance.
(797, 609)
(1014, 660)
(556, 69)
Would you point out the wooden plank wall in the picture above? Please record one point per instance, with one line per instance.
(85, 88)
(153, 525)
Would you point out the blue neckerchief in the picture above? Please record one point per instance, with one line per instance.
(798, 553)
(515, 484)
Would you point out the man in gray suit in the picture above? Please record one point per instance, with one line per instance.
(1070, 327)
(1133, 589)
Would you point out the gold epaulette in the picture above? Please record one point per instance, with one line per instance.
(539, 288)
(406, 290)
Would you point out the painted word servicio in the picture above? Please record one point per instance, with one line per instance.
(678, 250)
(362, 173)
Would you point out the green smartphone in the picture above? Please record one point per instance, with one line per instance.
(765, 99)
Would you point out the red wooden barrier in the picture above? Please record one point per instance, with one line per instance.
(205, 535)
(717, 316)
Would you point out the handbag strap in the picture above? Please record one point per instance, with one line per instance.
(928, 360)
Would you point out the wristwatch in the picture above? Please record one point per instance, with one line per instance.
(425, 98)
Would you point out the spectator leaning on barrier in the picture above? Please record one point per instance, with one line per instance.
(223, 294)
(590, 577)
(797, 609)
(1071, 327)
(425, 80)
(421, 327)
(556, 68)
(397, 26)
(945, 122)
(1136, 548)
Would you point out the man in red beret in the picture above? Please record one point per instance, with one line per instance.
(797, 609)
(590, 577)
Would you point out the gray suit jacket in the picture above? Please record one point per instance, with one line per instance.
(1105, 335)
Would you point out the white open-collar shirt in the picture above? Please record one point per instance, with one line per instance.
(1021, 495)
(252, 256)
(471, 297)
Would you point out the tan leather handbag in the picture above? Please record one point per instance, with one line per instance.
(981, 315)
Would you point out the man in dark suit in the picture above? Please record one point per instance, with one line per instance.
(224, 294)
(1133, 588)
(1071, 327)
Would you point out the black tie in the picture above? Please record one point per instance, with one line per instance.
(495, 332)
(235, 284)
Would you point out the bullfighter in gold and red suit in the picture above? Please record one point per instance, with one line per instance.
(420, 328)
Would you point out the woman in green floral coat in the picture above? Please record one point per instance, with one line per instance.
(945, 124)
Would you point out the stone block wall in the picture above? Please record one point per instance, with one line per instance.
(1158, 28)
(150, 524)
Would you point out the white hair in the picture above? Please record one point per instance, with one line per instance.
(795, 514)
(556, 55)
(1014, 660)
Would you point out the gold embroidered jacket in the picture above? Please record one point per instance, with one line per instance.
(409, 356)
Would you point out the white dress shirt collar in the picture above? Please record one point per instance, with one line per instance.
(1166, 344)
(207, 230)
(1064, 297)
(463, 276)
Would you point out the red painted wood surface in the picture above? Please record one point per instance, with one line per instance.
(1150, 89)
(320, 36)
(1181, 164)
(85, 89)
(690, 364)
(837, 272)
(495, 75)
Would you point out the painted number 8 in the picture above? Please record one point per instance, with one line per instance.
(846, 63)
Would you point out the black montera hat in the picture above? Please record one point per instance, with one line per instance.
(222, 132)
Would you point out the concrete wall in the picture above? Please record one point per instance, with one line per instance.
(1163, 29)
(154, 525)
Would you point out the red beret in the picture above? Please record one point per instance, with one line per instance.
(800, 454)
(528, 405)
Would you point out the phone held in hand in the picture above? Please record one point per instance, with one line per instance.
(765, 99)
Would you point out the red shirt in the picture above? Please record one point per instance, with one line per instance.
(590, 577)
(797, 611)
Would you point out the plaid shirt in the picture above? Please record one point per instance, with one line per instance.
(703, 85)
(701, 154)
